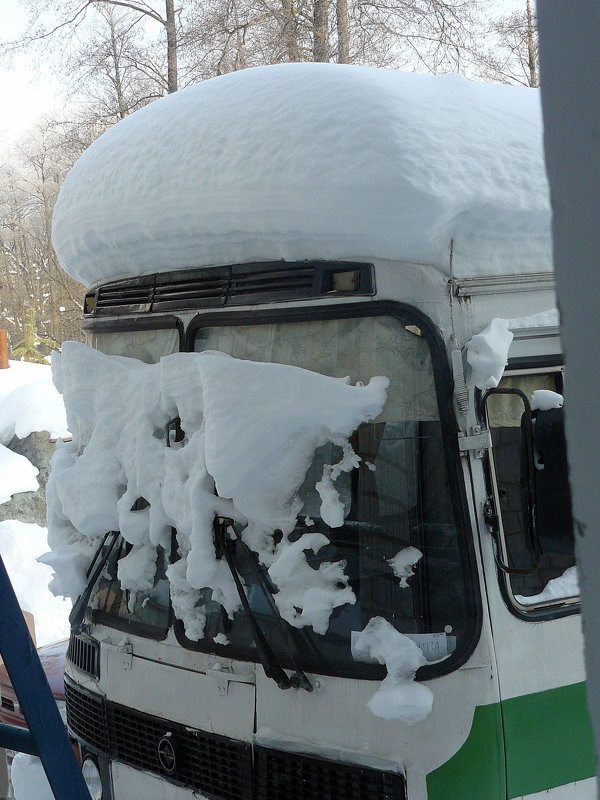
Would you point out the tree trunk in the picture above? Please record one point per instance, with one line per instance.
(341, 14)
(321, 30)
(171, 46)
(531, 54)
(289, 31)
(114, 51)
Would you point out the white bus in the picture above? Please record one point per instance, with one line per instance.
(256, 261)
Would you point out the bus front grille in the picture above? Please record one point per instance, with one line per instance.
(280, 775)
(217, 766)
(86, 716)
(84, 653)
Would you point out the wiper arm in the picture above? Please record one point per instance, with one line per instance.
(268, 658)
(300, 680)
(94, 571)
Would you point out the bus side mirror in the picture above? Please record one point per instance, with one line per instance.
(524, 466)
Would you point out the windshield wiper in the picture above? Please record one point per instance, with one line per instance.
(268, 658)
(93, 573)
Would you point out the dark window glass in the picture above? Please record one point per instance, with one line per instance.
(143, 613)
(552, 495)
(403, 502)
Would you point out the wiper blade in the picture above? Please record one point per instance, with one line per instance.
(268, 658)
(300, 680)
(94, 571)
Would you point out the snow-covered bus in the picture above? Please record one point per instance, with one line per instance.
(315, 514)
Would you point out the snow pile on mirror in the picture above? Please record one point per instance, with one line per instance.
(306, 161)
(250, 433)
(545, 400)
(487, 354)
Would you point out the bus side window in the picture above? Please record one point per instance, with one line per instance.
(550, 493)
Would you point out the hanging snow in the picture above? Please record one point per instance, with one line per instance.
(487, 354)
(399, 696)
(307, 161)
(250, 433)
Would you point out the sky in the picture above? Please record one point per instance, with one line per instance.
(27, 91)
(27, 88)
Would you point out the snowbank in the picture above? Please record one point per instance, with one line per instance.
(29, 402)
(250, 433)
(20, 545)
(28, 779)
(303, 161)
(33, 406)
(17, 474)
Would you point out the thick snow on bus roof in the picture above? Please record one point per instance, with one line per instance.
(305, 161)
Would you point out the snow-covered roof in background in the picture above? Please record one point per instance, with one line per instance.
(304, 161)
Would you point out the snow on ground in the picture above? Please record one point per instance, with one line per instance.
(28, 779)
(21, 544)
(32, 406)
(29, 402)
(304, 161)
(17, 474)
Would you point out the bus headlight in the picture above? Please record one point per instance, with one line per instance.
(92, 778)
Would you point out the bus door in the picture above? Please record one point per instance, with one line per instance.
(533, 590)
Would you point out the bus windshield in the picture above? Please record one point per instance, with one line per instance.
(399, 517)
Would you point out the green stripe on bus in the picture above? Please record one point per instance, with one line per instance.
(549, 739)
(476, 771)
(549, 742)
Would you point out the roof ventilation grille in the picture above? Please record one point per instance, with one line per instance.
(232, 285)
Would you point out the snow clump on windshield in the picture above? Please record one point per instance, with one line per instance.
(250, 433)
(399, 695)
(403, 564)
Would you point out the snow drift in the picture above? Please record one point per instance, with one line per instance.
(304, 161)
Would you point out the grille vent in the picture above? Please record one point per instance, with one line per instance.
(219, 767)
(86, 717)
(84, 653)
(237, 284)
(281, 775)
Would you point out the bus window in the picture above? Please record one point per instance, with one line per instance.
(397, 498)
(549, 577)
(146, 345)
(143, 613)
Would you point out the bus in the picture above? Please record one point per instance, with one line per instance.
(355, 222)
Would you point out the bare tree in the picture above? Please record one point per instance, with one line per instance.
(512, 56)
(67, 16)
